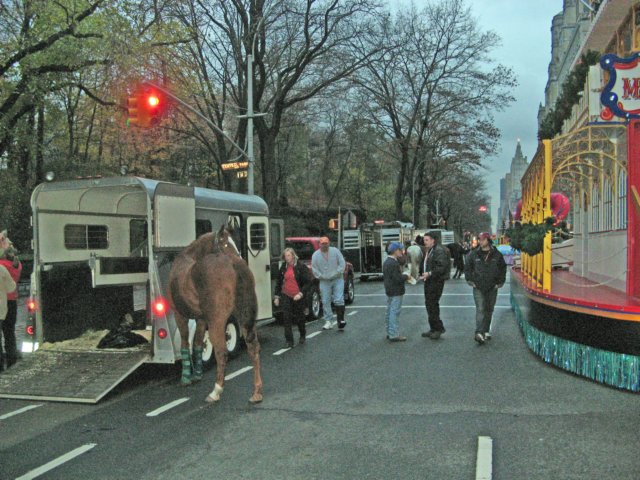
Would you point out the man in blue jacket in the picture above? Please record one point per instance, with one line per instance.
(485, 270)
(394, 279)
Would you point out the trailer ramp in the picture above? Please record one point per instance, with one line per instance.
(70, 376)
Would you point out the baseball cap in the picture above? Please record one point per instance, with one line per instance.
(393, 246)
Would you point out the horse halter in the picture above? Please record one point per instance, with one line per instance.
(221, 242)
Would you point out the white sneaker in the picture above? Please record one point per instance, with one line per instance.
(327, 325)
(487, 336)
(479, 338)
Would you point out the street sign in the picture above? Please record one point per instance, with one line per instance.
(242, 174)
(234, 165)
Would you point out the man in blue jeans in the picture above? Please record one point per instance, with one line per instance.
(485, 270)
(328, 266)
(394, 279)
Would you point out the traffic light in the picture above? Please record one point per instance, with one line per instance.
(153, 105)
(333, 224)
(132, 110)
(145, 107)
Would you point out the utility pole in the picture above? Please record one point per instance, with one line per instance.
(250, 124)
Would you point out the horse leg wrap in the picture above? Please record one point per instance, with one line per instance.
(197, 363)
(214, 396)
(186, 366)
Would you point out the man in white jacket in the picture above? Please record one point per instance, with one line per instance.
(328, 267)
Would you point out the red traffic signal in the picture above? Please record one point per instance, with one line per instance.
(145, 107)
(482, 208)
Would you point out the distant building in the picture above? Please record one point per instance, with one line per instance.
(510, 187)
(568, 30)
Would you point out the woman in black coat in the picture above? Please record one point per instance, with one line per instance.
(292, 291)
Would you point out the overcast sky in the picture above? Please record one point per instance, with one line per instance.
(525, 29)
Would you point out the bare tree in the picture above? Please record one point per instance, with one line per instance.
(434, 93)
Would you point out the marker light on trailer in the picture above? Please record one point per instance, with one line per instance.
(159, 306)
(31, 305)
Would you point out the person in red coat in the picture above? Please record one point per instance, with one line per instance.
(12, 263)
(293, 286)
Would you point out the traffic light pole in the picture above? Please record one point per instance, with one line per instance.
(209, 122)
(250, 124)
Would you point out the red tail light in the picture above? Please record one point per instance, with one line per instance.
(159, 307)
(162, 333)
(30, 330)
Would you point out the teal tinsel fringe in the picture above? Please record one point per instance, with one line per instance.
(616, 369)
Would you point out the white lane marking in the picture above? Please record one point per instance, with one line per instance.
(57, 462)
(484, 464)
(352, 313)
(422, 306)
(422, 295)
(18, 412)
(281, 351)
(239, 372)
(166, 407)
(314, 334)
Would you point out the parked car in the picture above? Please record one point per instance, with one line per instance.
(304, 248)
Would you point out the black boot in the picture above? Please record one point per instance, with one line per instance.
(341, 321)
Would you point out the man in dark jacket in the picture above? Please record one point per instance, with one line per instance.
(394, 279)
(485, 270)
(434, 270)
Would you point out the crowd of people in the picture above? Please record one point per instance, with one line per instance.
(424, 259)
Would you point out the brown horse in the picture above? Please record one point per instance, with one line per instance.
(210, 282)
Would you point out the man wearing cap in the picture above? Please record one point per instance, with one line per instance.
(394, 279)
(486, 271)
(434, 270)
(328, 267)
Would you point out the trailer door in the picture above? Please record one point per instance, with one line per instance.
(259, 260)
(174, 216)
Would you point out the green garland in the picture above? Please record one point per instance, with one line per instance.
(529, 237)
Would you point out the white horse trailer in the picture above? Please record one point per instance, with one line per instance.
(103, 250)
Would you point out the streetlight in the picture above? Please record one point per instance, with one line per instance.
(250, 114)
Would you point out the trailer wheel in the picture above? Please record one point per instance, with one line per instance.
(234, 344)
(316, 304)
(350, 293)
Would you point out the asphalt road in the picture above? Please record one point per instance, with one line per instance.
(345, 405)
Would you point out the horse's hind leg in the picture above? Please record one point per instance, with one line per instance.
(185, 354)
(219, 342)
(198, 341)
(253, 348)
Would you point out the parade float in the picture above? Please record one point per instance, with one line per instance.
(584, 318)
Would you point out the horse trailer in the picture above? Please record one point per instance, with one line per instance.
(366, 246)
(103, 250)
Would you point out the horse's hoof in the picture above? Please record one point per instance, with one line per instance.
(214, 396)
(257, 398)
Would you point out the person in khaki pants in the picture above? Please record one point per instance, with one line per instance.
(7, 285)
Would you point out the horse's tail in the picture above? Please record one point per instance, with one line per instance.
(246, 300)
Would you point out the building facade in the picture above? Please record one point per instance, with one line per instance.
(510, 186)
